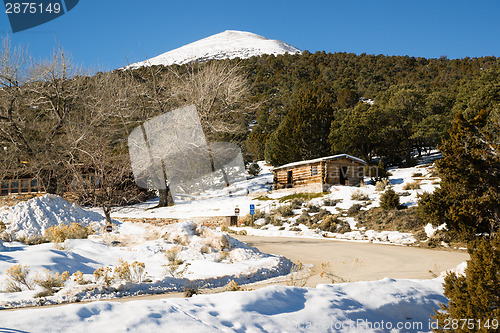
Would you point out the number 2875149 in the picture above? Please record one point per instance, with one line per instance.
(32, 8)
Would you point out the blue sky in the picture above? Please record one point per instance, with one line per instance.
(104, 33)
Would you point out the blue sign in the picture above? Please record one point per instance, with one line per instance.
(252, 209)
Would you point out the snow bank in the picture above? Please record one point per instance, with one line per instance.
(379, 306)
(211, 259)
(34, 216)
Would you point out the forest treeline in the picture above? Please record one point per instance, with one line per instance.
(310, 104)
(59, 123)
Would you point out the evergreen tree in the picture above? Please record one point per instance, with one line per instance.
(356, 133)
(474, 296)
(468, 200)
(389, 200)
(304, 133)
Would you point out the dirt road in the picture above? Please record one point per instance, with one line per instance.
(354, 261)
(350, 261)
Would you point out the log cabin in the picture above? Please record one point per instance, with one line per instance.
(320, 173)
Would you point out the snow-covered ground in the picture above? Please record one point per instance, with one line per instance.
(386, 305)
(207, 258)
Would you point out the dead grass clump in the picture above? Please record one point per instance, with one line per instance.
(249, 220)
(58, 234)
(438, 238)
(412, 186)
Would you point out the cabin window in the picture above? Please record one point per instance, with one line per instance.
(14, 186)
(314, 170)
(18, 186)
(5, 187)
(25, 185)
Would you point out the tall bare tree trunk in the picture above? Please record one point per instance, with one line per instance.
(165, 196)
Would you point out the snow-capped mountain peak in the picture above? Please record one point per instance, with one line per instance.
(225, 45)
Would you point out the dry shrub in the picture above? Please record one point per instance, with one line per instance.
(174, 265)
(381, 185)
(297, 203)
(274, 219)
(327, 272)
(354, 209)
(412, 186)
(417, 174)
(223, 255)
(359, 196)
(321, 215)
(389, 200)
(298, 275)
(304, 218)
(79, 279)
(285, 211)
(378, 219)
(58, 234)
(249, 219)
(102, 275)
(215, 240)
(18, 278)
(242, 233)
(331, 202)
(232, 286)
(134, 272)
(312, 208)
(51, 282)
(32, 240)
(332, 223)
(191, 289)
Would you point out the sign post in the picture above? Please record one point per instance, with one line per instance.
(252, 211)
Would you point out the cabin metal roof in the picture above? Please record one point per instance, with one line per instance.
(321, 159)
